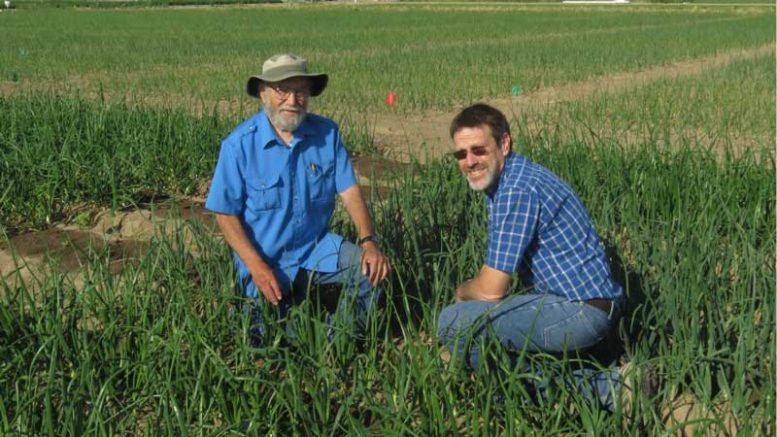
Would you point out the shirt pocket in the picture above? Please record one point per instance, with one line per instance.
(322, 181)
(263, 194)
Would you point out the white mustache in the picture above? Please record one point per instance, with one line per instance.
(291, 108)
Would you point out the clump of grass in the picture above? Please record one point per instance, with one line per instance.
(62, 150)
(725, 108)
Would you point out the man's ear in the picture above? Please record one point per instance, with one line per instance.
(507, 143)
(260, 91)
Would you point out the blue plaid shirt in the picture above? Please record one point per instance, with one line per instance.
(538, 227)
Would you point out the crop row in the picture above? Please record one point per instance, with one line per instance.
(432, 57)
(729, 107)
(161, 348)
(62, 152)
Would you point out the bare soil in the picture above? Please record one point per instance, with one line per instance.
(426, 134)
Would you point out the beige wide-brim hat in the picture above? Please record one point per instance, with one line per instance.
(284, 66)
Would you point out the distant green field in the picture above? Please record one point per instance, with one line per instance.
(727, 107)
(433, 57)
(112, 4)
(163, 3)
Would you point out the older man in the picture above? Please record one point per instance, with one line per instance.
(273, 191)
(539, 229)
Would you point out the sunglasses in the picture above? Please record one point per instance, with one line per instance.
(284, 91)
(477, 151)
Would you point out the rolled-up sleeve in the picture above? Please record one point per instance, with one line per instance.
(227, 189)
(513, 224)
(344, 174)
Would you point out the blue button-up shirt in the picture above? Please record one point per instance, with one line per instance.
(538, 227)
(284, 195)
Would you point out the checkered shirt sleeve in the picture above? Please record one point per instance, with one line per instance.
(514, 218)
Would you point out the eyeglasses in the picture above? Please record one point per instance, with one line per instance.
(284, 91)
(461, 154)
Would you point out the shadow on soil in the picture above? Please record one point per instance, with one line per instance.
(630, 326)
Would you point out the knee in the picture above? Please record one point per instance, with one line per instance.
(448, 324)
(454, 330)
(350, 256)
(349, 261)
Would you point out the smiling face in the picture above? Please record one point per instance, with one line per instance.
(481, 159)
(286, 102)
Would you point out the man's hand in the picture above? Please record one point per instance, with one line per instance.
(375, 265)
(265, 280)
(489, 285)
(261, 273)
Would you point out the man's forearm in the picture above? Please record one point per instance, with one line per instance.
(374, 264)
(235, 236)
(469, 290)
(357, 209)
(465, 291)
(261, 273)
(489, 284)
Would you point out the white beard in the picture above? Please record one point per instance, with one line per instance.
(484, 182)
(289, 124)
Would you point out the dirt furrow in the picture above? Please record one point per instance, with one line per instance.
(426, 134)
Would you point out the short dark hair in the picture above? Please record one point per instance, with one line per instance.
(481, 114)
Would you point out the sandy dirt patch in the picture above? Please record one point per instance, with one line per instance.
(27, 260)
(426, 134)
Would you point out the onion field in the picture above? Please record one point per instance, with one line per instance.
(118, 309)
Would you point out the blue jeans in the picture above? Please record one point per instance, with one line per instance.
(357, 303)
(533, 323)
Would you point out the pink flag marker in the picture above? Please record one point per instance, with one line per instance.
(391, 98)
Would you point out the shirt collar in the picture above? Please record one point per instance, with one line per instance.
(267, 135)
(510, 160)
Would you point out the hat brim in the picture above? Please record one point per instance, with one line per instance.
(318, 82)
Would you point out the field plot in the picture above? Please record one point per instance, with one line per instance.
(117, 309)
(433, 57)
